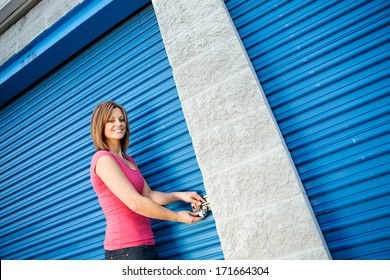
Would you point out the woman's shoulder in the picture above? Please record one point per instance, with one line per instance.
(99, 154)
(102, 153)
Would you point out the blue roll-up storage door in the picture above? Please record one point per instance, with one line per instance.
(48, 207)
(324, 68)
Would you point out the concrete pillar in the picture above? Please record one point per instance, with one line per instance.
(259, 205)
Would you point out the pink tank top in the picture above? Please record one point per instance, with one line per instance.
(124, 227)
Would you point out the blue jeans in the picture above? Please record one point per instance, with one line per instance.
(144, 252)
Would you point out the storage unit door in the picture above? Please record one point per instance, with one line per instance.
(48, 207)
(324, 68)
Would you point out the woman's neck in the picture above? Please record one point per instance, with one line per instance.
(115, 148)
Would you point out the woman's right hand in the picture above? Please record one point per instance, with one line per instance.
(188, 217)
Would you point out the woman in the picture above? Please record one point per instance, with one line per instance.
(126, 199)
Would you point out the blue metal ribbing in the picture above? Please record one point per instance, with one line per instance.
(78, 28)
(324, 68)
(48, 207)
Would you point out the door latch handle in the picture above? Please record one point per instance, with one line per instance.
(204, 208)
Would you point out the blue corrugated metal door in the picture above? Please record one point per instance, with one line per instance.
(48, 207)
(324, 68)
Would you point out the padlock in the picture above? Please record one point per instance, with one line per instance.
(204, 208)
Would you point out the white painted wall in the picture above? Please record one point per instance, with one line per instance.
(36, 21)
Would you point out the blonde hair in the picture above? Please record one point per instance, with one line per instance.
(100, 117)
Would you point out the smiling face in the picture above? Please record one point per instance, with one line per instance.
(115, 128)
(109, 124)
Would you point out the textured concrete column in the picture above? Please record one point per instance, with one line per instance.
(260, 209)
